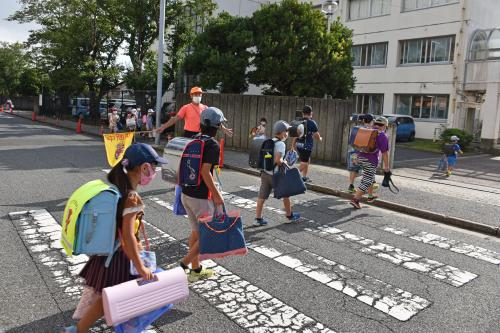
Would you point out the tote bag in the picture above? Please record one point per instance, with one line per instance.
(221, 235)
(288, 182)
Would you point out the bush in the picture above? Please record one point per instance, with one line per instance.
(465, 137)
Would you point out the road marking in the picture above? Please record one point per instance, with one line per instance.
(411, 261)
(249, 306)
(447, 244)
(382, 296)
(395, 302)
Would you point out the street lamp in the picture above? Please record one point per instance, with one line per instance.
(329, 7)
(159, 78)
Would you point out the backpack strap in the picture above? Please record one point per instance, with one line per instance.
(110, 256)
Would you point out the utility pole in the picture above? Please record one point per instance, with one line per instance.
(159, 79)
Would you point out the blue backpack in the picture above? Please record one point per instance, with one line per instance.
(96, 225)
(189, 173)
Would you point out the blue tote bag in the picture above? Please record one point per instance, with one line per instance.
(288, 182)
(221, 235)
(178, 206)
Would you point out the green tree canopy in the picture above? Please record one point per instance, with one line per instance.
(221, 54)
(295, 55)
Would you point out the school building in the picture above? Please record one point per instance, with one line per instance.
(436, 60)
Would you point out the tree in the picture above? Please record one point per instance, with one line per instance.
(78, 38)
(139, 23)
(221, 54)
(295, 55)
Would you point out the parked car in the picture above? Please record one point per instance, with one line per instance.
(405, 124)
(80, 106)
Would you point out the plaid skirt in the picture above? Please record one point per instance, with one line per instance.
(97, 276)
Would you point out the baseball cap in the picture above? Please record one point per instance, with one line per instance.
(195, 90)
(212, 116)
(280, 126)
(454, 138)
(381, 120)
(139, 153)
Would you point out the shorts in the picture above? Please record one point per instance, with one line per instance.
(195, 208)
(452, 160)
(266, 185)
(190, 134)
(304, 155)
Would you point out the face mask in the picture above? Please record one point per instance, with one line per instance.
(196, 99)
(115, 112)
(263, 124)
(146, 179)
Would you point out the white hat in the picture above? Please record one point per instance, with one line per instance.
(454, 138)
(150, 111)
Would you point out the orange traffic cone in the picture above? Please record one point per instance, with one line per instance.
(221, 156)
(79, 126)
(33, 116)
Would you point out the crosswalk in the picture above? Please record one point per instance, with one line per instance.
(250, 305)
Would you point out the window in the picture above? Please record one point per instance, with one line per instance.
(360, 9)
(433, 50)
(423, 106)
(485, 45)
(369, 55)
(368, 103)
(420, 4)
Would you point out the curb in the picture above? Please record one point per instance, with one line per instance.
(417, 212)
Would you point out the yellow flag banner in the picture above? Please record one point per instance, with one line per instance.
(116, 144)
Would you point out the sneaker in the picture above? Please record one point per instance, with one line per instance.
(351, 189)
(448, 173)
(204, 274)
(294, 217)
(355, 203)
(371, 198)
(260, 221)
(306, 179)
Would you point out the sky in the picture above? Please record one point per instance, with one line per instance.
(12, 31)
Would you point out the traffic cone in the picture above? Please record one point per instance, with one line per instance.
(1, 108)
(33, 116)
(221, 156)
(79, 126)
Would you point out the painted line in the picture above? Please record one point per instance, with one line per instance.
(448, 244)
(382, 296)
(411, 261)
(395, 302)
(250, 307)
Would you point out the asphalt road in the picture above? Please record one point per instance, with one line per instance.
(336, 270)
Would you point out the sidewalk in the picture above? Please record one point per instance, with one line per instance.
(472, 193)
(420, 189)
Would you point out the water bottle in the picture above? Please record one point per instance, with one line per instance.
(268, 161)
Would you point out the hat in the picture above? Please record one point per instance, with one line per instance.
(140, 153)
(280, 126)
(381, 121)
(366, 117)
(195, 90)
(151, 111)
(307, 109)
(454, 138)
(212, 117)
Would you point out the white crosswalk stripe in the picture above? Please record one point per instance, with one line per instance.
(447, 244)
(396, 302)
(401, 258)
(247, 305)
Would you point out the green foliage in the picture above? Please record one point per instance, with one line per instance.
(77, 38)
(295, 55)
(221, 57)
(465, 137)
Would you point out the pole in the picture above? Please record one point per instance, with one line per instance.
(159, 79)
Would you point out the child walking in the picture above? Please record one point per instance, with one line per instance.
(195, 199)
(369, 163)
(259, 130)
(280, 130)
(136, 168)
(452, 155)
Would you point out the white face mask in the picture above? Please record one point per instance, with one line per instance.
(196, 99)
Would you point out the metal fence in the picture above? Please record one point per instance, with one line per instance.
(244, 111)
